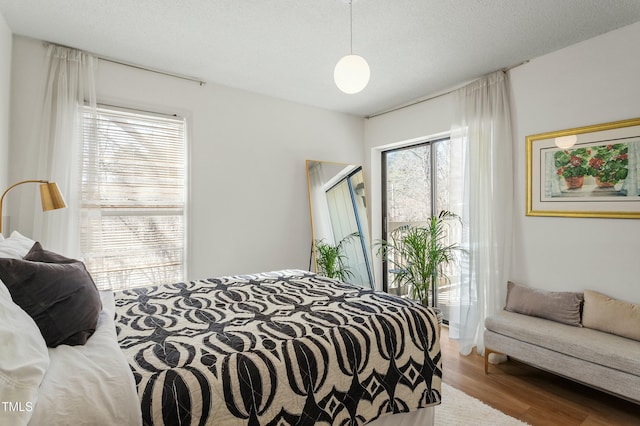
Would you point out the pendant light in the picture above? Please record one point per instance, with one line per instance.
(352, 71)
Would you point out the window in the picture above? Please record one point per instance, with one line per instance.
(133, 198)
(416, 185)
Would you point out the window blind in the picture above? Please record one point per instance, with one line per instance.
(133, 198)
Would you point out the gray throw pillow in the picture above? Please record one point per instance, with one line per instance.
(559, 306)
(57, 292)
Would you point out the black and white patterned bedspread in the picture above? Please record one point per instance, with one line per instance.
(279, 348)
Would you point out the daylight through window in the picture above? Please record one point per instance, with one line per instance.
(416, 185)
(133, 198)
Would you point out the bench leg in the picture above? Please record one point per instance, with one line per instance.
(487, 352)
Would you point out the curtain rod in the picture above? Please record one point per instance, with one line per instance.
(128, 64)
(439, 95)
(140, 67)
(412, 103)
(146, 111)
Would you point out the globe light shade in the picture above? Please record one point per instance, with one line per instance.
(352, 74)
(566, 142)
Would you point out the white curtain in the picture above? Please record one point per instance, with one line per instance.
(481, 157)
(68, 85)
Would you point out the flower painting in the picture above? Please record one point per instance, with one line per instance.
(606, 164)
(609, 164)
(596, 175)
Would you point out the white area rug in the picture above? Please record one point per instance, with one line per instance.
(459, 409)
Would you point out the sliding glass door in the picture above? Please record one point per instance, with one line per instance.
(416, 185)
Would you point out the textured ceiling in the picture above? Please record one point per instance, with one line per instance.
(288, 48)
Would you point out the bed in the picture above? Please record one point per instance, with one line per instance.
(89, 384)
(83, 384)
(278, 348)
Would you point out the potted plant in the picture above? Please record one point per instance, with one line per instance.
(330, 258)
(609, 164)
(418, 255)
(572, 166)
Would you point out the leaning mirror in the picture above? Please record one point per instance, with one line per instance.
(339, 226)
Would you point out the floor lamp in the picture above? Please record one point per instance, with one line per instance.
(50, 196)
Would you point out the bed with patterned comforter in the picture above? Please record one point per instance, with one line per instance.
(279, 348)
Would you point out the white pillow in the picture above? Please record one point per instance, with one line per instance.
(16, 246)
(23, 363)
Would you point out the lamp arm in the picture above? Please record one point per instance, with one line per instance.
(10, 188)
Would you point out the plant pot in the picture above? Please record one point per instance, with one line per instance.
(574, 182)
(603, 184)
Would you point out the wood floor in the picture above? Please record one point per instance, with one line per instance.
(531, 395)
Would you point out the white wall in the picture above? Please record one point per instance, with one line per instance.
(5, 86)
(248, 209)
(592, 82)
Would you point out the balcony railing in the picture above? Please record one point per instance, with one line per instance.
(448, 290)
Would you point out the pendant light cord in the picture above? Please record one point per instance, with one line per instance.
(351, 25)
(352, 72)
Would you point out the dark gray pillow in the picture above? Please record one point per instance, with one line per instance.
(57, 292)
(560, 306)
(39, 254)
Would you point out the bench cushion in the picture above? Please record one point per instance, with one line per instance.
(584, 343)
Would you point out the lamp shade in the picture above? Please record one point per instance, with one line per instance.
(352, 74)
(566, 142)
(51, 197)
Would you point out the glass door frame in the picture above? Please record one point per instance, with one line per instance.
(432, 143)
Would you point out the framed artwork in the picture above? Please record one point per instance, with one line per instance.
(590, 171)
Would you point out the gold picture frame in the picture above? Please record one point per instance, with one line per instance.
(591, 171)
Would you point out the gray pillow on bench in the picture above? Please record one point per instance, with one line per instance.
(559, 306)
